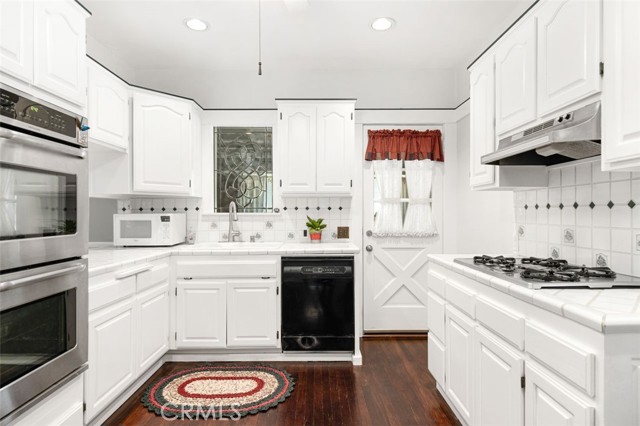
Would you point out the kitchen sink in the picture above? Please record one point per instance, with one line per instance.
(239, 245)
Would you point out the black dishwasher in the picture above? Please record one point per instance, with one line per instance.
(317, 304)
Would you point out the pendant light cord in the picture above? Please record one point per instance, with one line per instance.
(259, 37)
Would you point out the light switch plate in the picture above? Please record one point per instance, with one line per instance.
(343, 232)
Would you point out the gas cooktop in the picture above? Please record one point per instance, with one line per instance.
(537, 273)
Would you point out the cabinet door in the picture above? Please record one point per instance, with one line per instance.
(60, 50)
(335, 148)
(201, 314)
(161, 151)
(252, 313)
(109, 112)
(297, 136)
(153, 325)
(516, 78)
(16, 38)
(547, 402)
(621, 91)
(459, 362)
(483, 135)
(568, 52)
(112, 361)
(196, 153)
(499, 397)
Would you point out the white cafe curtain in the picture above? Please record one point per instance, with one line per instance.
(419, 219)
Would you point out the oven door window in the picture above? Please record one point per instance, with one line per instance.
(35, 333)
(36, 203)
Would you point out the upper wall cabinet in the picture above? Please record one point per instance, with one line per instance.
(109, 108)
(515, 78)
(316, 143)
(568, 52)
(621, 86)
(60, 50)
(16, 39)
(483, 135)
(162, 146)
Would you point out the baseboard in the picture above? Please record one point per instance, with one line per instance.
(396, 336)
(185, 356)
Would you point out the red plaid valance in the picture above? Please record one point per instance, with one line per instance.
(404, 145)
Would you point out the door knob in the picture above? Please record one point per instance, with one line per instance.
(369, 248)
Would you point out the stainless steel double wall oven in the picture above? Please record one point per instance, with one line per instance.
(44, 215)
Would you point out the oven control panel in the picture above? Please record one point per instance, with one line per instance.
(19, 110)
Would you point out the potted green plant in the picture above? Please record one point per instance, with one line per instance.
(315, 228)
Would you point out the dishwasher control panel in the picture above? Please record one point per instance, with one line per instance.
(325, 270)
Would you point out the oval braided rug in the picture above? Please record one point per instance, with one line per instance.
(218, 390)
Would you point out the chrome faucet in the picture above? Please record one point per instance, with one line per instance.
(233, 217)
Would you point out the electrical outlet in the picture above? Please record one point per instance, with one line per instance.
(343, 232)
(304, 233)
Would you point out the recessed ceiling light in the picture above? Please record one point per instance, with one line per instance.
(382, 24)
(196, 24)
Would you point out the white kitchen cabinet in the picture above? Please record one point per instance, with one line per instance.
(482, 117)
(252, 313)
(621, 86)
(515, 77)
(161, 144)
(196, 152)
(334, 151)
(201, 314)
(109, 108)
(16, 38)
(548, 402)
(499, 397)
(60, 50)
(568, 52)
(153, 325)
(316, 144)
(112, 360)
(459, 368)
(297, 133)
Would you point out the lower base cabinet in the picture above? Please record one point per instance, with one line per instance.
(201, 313)
(459, 361)
(153, 326)
(112, 364)
(499, 397)
(252, 315)
(550, 403)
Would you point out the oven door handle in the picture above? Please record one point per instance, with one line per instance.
(38, 142)
(9, 285)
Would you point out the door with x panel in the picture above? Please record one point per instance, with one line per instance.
(395, 268)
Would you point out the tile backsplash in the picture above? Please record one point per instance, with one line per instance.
(585, 216)
(287, 225)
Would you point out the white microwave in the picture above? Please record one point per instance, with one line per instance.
(153, 229)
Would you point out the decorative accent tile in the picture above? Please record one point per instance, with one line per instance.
(601, 260)
(537, 207)
(631, 204)
(291, 236)
(610, 204)
(569, 236)
(561, 206)
(548, 206)
(526, 206)
(268, 225)
(575, 205)
(637, 242)
(520, 231)
(592, 205)
(554, 252)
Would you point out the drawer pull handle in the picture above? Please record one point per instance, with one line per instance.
(133, 271)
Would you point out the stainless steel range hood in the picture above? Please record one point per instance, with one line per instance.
(571, 136)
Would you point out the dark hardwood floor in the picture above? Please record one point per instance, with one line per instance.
(393, 387)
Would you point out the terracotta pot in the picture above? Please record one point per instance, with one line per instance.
(315, 236)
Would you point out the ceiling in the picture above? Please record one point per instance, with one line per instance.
(330, 35)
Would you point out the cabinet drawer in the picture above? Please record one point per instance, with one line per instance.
(435, 354)
(107, 289)
(435, 315)
(461, 296)
(223, 267)
(573, 363)
(436, 282)
(158, 274)
(501, 321)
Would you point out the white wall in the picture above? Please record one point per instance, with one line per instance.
(484, 218)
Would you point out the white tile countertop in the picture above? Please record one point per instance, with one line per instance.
(605, 310)
(107, 258)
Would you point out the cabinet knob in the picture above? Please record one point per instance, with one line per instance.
(369, 248)
(369, 233)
